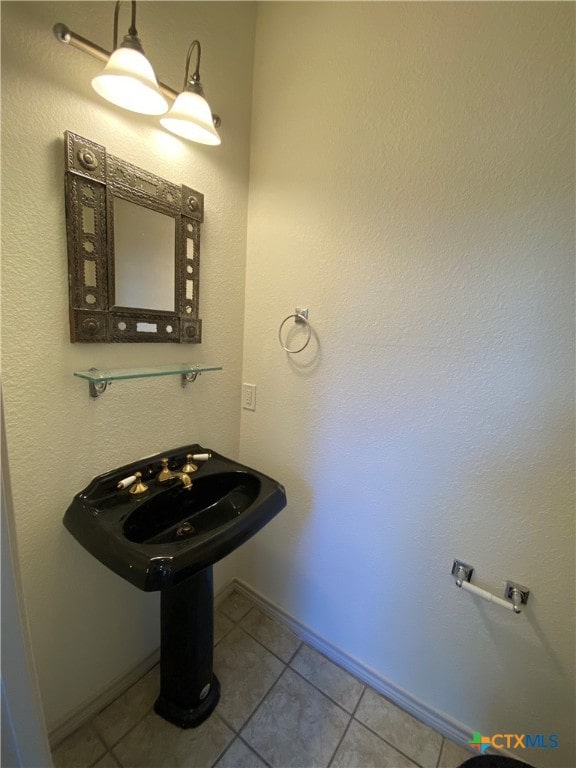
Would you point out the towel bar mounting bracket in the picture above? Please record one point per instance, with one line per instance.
(462, 571)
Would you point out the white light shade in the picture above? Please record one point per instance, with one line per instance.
(191, 118)
(128, 81)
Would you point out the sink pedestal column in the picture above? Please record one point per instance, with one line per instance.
(189, 690)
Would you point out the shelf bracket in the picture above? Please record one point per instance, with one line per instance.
(97, 388)
(189, 377)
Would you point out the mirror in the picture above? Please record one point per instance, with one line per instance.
(144, 243)
(133, 250)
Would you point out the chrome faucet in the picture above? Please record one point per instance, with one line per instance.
(165, 475)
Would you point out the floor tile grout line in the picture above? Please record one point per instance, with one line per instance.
(326, 695)
(269, 618)
(129, 731)
(225, 750)
(247, 599)
(252, 749)
(92, 764)
(340, 741)
(226, 633)
(441, 750)
(116, 760)
(235, 623)
(296, 652)
(237, 737)
(260, 703)
(226, 722)
(350, 721)
(261, 642)
(442, 737)
(237, 732)
(412, 759)
(100, 739)
(364, 689)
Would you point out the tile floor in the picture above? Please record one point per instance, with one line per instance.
(283, 704)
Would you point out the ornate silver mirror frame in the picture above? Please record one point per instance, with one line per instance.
(94, 179)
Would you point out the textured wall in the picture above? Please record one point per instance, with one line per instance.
(88, 626)
(411, 183)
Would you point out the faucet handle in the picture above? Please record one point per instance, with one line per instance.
(189, 466)
(201, 456)
(134, 482)
(165, 473)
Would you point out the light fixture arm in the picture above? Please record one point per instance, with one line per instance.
(195, 44)
(66, 36)
(131, 40)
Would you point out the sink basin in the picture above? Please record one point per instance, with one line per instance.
(211, 502)
(169, 533)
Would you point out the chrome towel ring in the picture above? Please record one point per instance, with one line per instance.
(300, 316)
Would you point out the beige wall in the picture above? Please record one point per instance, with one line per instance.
(88, 626)
(412, 184)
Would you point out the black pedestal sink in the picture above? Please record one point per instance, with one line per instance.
(167, 538)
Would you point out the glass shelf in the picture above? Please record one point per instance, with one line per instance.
(98, 380)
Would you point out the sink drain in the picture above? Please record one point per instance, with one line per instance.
(184, 529)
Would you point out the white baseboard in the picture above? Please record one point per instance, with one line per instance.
(439, 721)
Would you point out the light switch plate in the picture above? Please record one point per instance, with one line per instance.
(249, 396)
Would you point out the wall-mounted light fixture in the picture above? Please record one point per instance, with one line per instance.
(128, 81)
(190, 115)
